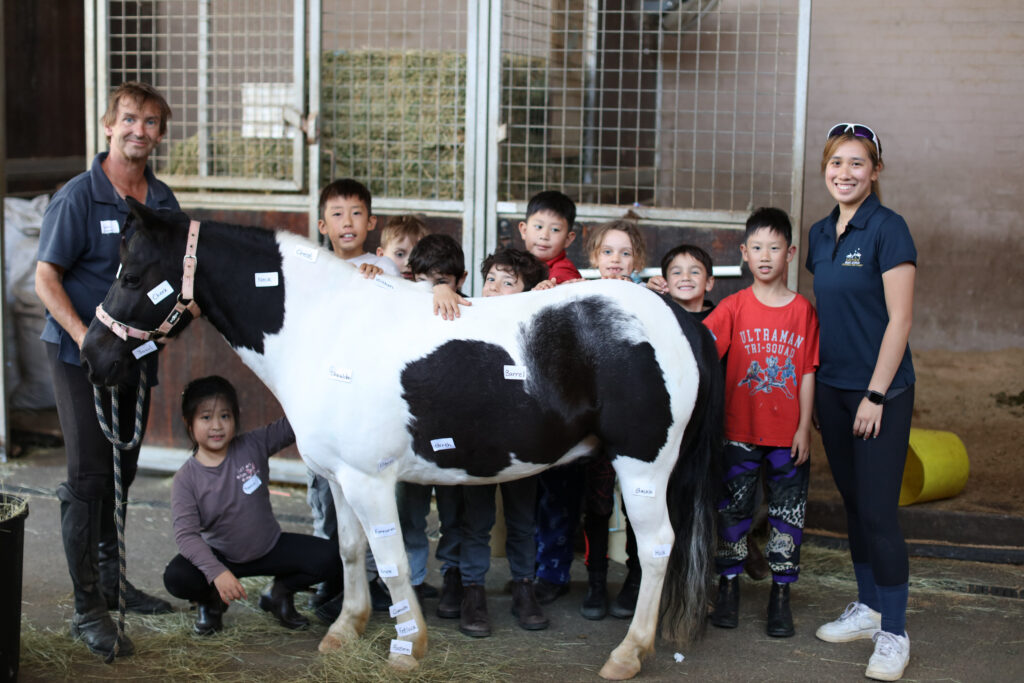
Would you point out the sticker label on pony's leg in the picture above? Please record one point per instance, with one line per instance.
(109, 228)
(399, 608)
(515, 372)
(644, 491)
(383, 284)
(382, 530)
(266, 279)
(385, 463)
(401, 647)
(339, 374)
(160, 292)
(407, 628)
(308, 253)
(144, 349)
(388, 571)
(663, 550)
(442, 444)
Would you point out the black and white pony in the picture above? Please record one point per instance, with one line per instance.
(379, 389)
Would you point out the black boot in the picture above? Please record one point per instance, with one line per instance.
(474, 621)
(525, 607)
(450, 604)
(110, 572)
(209, 615)
(80, 531)
(326, 591)
(780, 618)
(624, 604)
(279, 601)
(727, 604)
(548, 592)
(595, 602)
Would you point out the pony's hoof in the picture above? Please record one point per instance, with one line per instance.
(614, 670)
(336, 638)
(400, 662)
(329, 643)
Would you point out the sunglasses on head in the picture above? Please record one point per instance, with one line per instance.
(858, 130)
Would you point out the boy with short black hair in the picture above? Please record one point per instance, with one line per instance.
(548, 231)
(400, 234)
(687, 275)
(346, 218)
(771, 335)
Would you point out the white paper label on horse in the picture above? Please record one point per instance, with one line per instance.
(339, 374)
(401, 647)
(266, 279)
(399, 608)
(407, 628)
(644, 491)
(160, 292)
(385, 463)
(383, 284)
(251, 484)
(382, 530)
(308, 253)
(663, 550)
(388, 571)
(109, 228)
(515, 372)
(442, 444)
(144, 349)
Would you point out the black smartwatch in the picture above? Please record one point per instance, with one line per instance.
(875, 397)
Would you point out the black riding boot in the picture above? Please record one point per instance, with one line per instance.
(110, 572)
(595, 602)
(780, 618)
(624, 604)
(209, 615)
(279, 601)
(727, 604)
(80, 531)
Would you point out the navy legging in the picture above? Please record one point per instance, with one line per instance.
(868, 474)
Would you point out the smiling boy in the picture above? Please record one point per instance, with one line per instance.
(686, 276)
(346, 219)
(548, 231)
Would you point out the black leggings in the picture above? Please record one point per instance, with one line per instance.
(297, 560)
(869, 474)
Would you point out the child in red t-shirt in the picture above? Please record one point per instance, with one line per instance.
(771, 335)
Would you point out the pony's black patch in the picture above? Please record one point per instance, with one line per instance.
(586, 376)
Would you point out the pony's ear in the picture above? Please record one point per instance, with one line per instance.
(146, 218)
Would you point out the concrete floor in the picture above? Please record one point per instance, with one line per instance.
(957, 634)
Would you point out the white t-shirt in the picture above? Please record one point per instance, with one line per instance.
(382, 262)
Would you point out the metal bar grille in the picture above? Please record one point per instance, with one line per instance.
(685, 104)
(227, 68)
(393, 96)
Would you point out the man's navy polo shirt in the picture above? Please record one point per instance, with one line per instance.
(849, 294)
(81, 233)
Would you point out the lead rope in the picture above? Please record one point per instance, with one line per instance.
(113, 432)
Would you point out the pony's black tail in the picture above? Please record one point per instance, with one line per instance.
(692, 490)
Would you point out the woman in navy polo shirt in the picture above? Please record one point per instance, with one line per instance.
(864, 262)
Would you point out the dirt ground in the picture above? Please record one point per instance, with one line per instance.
(979, 396)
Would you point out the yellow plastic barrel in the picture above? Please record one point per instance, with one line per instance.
(936, 468)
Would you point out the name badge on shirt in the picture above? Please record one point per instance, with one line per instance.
(251, 484)
(109, 228)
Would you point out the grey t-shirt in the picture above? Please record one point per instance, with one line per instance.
(227, 507)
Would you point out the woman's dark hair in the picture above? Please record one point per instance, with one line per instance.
(201, 389)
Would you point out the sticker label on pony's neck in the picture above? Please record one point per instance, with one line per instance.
(339, 374)
(109, 228)
(144, 349)
(382, 530)
(251, 484)
(266, 279)
(663, 550)
(515, 372)
(399, 608)
(644, 491)
(442, 444)
(401, 647)
(384, 464)
(308, 253)
(407, 628)
(160, 292)
(383, 284)
(388, 571)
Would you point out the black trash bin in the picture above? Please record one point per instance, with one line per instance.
(13, 511)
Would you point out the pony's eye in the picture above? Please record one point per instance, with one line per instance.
(131, 280)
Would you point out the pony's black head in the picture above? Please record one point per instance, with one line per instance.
(152, 247)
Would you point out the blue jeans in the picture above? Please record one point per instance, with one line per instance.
(413, 508)
(519, 498)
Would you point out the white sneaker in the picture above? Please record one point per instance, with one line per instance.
(857, 622)
(892, 652)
